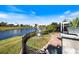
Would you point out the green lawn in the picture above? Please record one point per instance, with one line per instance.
(13, 45)
(38, 42)
(10, 45)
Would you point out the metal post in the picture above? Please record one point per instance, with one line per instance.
(63, 28)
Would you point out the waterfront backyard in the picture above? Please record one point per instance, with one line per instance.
(39, 29)
(14, 45)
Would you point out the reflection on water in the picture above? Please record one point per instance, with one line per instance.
(12, 33)
(38, 31)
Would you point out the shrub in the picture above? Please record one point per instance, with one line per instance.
(75, 23)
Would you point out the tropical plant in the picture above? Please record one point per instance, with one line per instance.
(75, 23)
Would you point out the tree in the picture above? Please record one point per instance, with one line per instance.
(35, 25)
(75, 23)
(65, 20)
(54, 24)
(21, 25)
(52, 27)
(3, 24)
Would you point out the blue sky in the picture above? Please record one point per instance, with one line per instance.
(37, 14)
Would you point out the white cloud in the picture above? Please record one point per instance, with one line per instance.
(33, 12)
(75, 13)
(3, 16)
(14, 9)
(16, 18)
(69, 15)
(62, 16)
(67, 12)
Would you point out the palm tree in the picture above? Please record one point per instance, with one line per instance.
(75, 22)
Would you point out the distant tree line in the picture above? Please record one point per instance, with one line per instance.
(13, 25)
(49, 28)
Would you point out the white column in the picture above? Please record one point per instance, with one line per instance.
(61, 27)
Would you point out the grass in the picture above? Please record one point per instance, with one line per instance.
(13, 45)
(38, 42)
(10, 45)
(10, 28)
